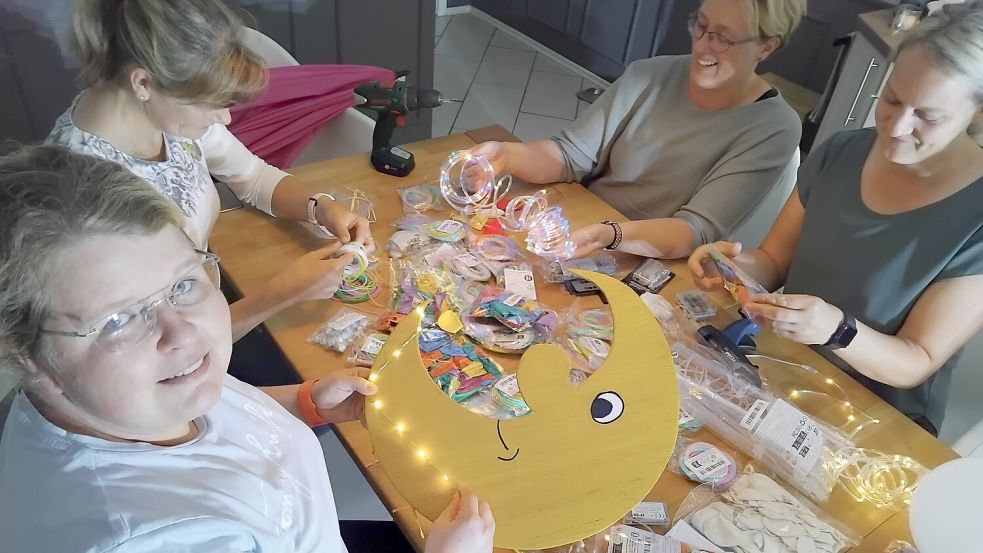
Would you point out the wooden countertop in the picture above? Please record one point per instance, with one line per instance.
(254, 247)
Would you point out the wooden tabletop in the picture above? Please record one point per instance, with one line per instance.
(255, 247)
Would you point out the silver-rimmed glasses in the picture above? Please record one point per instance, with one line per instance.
(718, 42)
(126, 328)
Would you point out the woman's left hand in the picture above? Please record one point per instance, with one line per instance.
(800, 318)
(340, 396)
(347, 226)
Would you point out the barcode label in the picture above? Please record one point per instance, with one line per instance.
(792, 435)
(753, 414)
(708, 464)
(508, 385)
(685, 418)
(345, 321)
(450, 226)
(373, 345)
(648, 512)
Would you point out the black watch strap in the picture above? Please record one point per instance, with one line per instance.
(844, 334)
(617, 236)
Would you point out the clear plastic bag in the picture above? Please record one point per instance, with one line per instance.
(559, 271)
(796, 447)
(508, 323)
(366, 348)
(756, 514)
(341, 329)
(418, 198)
(704, 463)
(404, 243)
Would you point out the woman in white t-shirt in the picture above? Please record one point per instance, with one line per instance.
(127, 435)
(159, 78)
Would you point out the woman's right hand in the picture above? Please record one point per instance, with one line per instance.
(497, 155)
(700, 264)
(465, 526)
(313, 276)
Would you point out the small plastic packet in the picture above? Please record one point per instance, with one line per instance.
(687, 422)
(412, 221)
(648, 514)
(418, 198)
(592, 323)
(447, 230)
(740, 285)
(470, 267)
(651, 276)
(404, 243)
(696, 305)
(755, 510)
(341, 329)
(559, 271)
(494, 247)
(366, 348)
(704, 463)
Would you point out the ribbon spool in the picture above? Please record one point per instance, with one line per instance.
(595, 323)
(360, 260)
(495, 247)
(467, 183)
(548, 229)
(718, 480)
(446, 231)
(357, 290)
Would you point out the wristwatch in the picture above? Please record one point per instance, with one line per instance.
(316, 227)
(844, 334)
(617, 236)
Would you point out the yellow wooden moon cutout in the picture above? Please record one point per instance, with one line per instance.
(578, 462)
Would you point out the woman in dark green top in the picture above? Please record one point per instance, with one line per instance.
(885, 231)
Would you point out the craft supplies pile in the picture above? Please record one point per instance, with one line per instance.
(472, 277)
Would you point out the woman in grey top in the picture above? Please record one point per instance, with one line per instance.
(880, 249)
(690, 143)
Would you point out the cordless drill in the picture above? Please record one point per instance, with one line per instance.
(392, 100)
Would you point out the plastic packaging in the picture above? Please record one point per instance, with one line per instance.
(412, 221)
(651, 276)
(366, 348)
(756, 514)
(740, 285)
(419, 198)
(341, 329)
(470, 267)
(696, 305)
(508, 323)
(467, 183)
(559, 270)
(404, 243)
(704, 463)
(447, 230)
(785, 440)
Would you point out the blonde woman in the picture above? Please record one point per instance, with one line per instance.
(880, 247)
(159, 78)
(686, 146)
(127, 435)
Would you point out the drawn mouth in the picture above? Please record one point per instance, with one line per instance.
(498, 425)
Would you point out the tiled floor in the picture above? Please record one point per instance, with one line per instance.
(501, 80)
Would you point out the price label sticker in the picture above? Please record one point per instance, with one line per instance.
(791, 434)
(450, 226)
(508, 385)
(648, 512)
(345, 321)
(373, 345)
(520, 281)
(708, 464)
(753, 414)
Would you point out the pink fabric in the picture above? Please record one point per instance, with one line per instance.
(296, 102)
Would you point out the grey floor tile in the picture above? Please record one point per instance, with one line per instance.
(552, 95)
(529, 126)
(443, 118)
(453, 76)
(466, 37)
(489, 104)
(505, 67)
(546, 64)
(353, 496)
(441, 23)
(505, 40)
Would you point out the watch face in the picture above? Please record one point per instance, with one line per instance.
(847, 336)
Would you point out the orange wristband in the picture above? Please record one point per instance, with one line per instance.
(308, 411)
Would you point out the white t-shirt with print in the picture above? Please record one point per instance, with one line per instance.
(254, 479)
(185, 176)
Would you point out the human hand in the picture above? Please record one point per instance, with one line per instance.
(496, 153)
(313, 276)
(591, 239)
(797, 317)
(699, 263)
(340, 396)
(465, 526)
(347, 226)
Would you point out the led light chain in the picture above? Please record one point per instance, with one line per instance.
(548, 229)
(482, 193)
(870, 476)
(496, 248)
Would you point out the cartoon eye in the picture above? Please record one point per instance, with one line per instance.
(607, 407)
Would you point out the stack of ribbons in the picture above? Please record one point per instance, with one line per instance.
(457, 366)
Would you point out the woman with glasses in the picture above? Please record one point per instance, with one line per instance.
(686, 146)
(880, 247)
(160, 79)
(127, 434)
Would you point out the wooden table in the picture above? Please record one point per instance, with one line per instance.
(254, 247)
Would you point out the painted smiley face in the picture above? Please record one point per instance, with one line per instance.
(582, 458)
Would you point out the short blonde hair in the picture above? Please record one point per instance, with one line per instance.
(51, 198)
(192, 49)
(775, 18)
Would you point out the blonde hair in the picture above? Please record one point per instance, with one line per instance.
(51, 198)
(775, 18)
(192, 49)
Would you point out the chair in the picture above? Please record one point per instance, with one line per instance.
(753, 230)
(349, 133)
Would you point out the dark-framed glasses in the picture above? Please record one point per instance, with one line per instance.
(127, 327)
(718, 42)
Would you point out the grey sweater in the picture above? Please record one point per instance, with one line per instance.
(644, 148)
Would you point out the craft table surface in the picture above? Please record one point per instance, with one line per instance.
(254, 247)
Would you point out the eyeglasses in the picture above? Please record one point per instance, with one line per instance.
(718, 42)
(126, 328)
